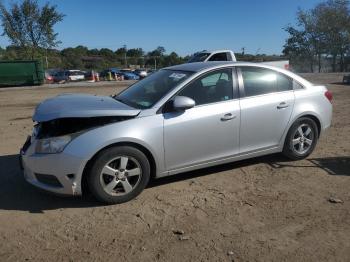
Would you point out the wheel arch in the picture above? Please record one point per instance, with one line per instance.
(143, 149)
(308, 114)
(315, 119)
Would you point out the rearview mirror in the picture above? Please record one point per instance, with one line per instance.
(181, 103)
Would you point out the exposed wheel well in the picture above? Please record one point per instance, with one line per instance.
(144, 150)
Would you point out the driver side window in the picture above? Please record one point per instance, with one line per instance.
(212, 87)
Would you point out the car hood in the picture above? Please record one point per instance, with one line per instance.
(81, 105)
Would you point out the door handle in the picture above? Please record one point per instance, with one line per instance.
(282, 105)
(227, 117)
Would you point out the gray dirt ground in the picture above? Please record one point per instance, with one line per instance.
(263, 209)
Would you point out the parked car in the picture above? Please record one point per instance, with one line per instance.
(346, 79)
(178, 119)
(48, 78)
(142, 73)
(60, 77)
(69, 75)
(129, 75)
(75, 75)
(113, 71)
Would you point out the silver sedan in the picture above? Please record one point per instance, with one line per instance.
(178, 119)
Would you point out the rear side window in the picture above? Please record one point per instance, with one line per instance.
(260, 81)
(284, 83)
(218, 57)
(297, 86)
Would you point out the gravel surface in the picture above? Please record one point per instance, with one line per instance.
(263, 209)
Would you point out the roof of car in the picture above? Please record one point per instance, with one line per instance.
(199, 66)
(203, 66)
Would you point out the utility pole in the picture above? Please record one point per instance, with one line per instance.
(125, 50)
(47, 62)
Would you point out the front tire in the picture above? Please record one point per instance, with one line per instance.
(118, 174)
(301, 139)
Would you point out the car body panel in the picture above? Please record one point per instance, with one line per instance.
(313, 102)
(262, 123)
(81, 105)
(33, 163)
(144, 131)
(215, 138)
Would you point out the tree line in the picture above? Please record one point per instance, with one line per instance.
(30, 29)
(81, 57)
(320, 38)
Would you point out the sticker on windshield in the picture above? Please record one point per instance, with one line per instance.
(177, 76)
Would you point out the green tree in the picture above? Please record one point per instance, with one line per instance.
(135, 52)
(171, 59)
(121, 52)
(333, 18)
(107, 53)
(159, 51)
(29, 26)
(73, 57)
(320, 32)
(298, 47)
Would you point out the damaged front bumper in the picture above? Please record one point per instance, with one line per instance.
(57, 173)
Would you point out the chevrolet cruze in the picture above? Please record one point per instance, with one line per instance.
(178, 119)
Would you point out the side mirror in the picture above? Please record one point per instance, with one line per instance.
(181, 103)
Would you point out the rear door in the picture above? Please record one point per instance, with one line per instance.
(267, 101)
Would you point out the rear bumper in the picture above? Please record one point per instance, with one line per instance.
(56, 173)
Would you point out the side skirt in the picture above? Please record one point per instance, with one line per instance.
(221, 161)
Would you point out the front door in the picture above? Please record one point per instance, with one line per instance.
(210, 130)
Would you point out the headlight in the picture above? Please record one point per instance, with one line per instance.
(52, 145)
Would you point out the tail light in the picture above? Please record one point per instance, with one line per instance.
(329, 95)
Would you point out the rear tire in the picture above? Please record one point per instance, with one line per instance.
(301, 139)
(118, 174)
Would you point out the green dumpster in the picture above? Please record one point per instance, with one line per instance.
(18, 73)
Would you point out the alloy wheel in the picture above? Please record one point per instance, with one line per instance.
(302, 139)
(120, 175)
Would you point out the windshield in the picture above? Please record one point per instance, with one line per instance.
(199, 57)
(147, 92)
